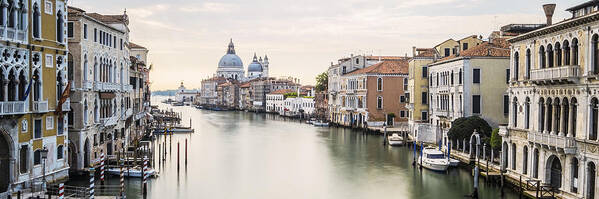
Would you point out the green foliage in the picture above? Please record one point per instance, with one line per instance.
(495, 141)
(322, 81)
(292, 94)
(462, 128)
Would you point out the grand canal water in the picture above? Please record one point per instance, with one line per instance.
(247, 155)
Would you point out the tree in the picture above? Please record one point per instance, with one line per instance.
(495, 139)
(462, 128)
(322, 81)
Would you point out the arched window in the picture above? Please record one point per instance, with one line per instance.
(591, 179)
(85, 112)
(574, 110)
(516, 65)
(59, 27)
(70, 68)
(37, 86)
(557, 114)
(59, 152)
(595, 54)
(21, 16)
(513, 156)
(59, 86)
(527, 113)
(85, 68)
(558, 54)
(11, 14)
(566, 110)
(36, 21)
(96, 112)
(541, 115)
(574, 173)
(379, 84)
(535, 164)
(549, 115)
(566, 53)
(574, 51)
(549, 56)
(12, 85)
(95, 69)
(542, 56)
(22, 85)
(593, 119)
(379, 102)
(515, 112)
(525, 160)
(460, 77)
(528, 63)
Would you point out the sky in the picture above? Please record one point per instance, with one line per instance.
(187, 38)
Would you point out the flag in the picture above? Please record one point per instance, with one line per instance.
(27, 91)
(65, 95)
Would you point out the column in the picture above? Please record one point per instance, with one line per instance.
(5, 84)
(563, 119)
(571, 116)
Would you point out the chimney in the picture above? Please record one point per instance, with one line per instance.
(549, 9)
(413, 51)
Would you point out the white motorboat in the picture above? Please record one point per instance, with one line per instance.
(453, 162)
(320, 123)
(131, 172)
(433, 159)
(395, 140)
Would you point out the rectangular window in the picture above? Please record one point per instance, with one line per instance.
(70, 29)
(49, 61)
(60, 126)
(424, 98)
(424, 116)
(23, 159)
(507, 76)
(48, 7)
(402, 114)
(121, 44)
(49, 122)
(95, 35)
(402, 99)
(101, 37)
(446, 52)
(379, 103)
(465, 46)
(114, 41)
(506, 105)
(424, 71)
(476, 75)
(475, 104)
(37, 129)
(84, 31)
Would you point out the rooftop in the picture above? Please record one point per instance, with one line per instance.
(282, 91)
(385, 67)
(497, 48)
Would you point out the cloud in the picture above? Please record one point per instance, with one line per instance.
(208, 7)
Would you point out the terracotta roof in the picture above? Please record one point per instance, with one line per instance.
(385, 67)
(71, 9)
(307, 87)
(471, 36)
(216, 78)
(499, 48)
(282, 91)
(385, 58)
(109, 18)
(425, 52)
(134, 45)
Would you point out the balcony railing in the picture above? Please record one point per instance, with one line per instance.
(556, 74)
(106, 86)
(127, 88)
(13, 34)
(12, 108)
(568, 144)
(40, 107)
(110, 121)
(88, 85)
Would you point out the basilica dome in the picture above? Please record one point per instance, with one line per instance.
(255, 66)
(230, 60)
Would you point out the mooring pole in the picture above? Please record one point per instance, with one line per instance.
(185, 152)
(159, 155)
(475, 192)
(177, 157)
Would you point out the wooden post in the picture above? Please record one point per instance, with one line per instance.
(178, 157)
(185, 152)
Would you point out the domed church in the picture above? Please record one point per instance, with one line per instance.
(230, 66)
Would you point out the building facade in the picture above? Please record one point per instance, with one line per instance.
(553, 113)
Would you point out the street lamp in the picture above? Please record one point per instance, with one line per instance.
(44, 154)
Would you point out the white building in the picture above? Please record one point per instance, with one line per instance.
(184, 95)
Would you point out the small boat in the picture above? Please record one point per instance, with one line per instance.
(134, 172)
(395, 140)
(453, 162)
(320, 123)
(433, 159)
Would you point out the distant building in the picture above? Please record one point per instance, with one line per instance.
(184, 95)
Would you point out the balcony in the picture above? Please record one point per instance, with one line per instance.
(562, 74)
(12, 34)
(12, 108)
(106, 86)
(40, 107)
(126, 88)
(110, 121)
(88, 85)
(560, 143)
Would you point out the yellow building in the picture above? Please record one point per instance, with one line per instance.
(33, 120)
(418, 87)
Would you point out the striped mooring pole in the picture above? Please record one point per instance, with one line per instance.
(102, 168)
(61, 191)
(122, 180)
(145, 178)
(91, 183)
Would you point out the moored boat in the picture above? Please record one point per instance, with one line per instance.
(320, 123)
(134, 172)
(395, 140)
(433, 159)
